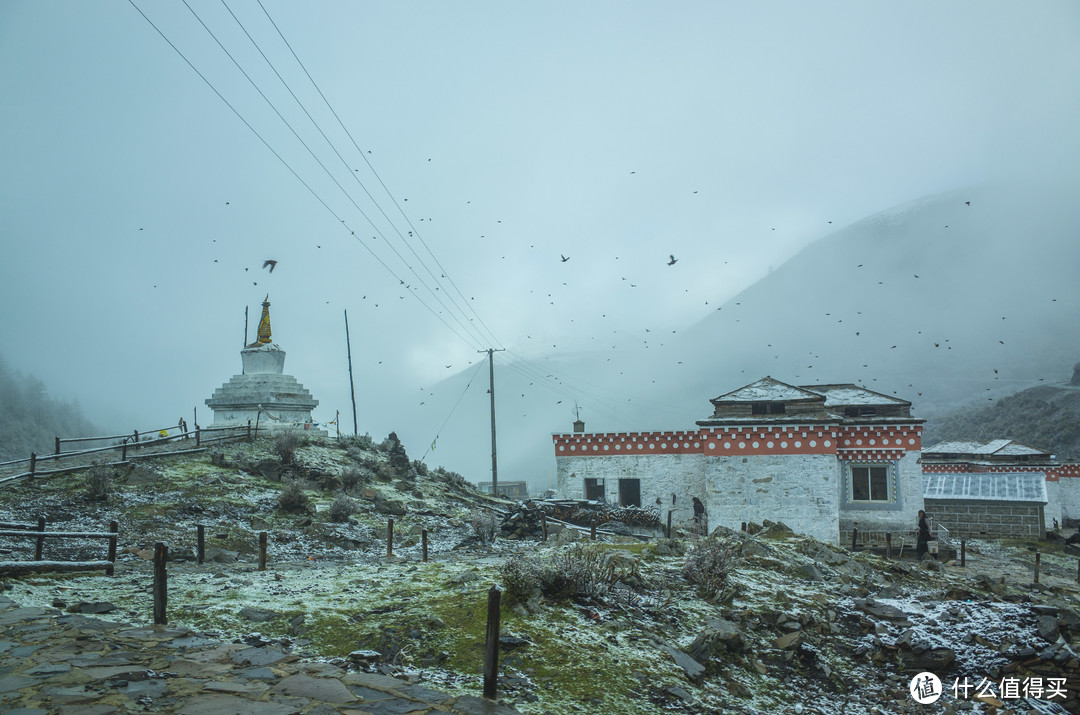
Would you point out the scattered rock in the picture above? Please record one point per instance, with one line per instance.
(258, 615)
(92, 607)
(935, 660)
(670, 547)
(221, 556)
(789, 641)
(719, 637)
(1047, 627)
(810, 572)
(466, 576)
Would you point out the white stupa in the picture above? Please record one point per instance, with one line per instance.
(263, 393)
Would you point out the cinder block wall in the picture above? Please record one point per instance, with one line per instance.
(974, 519)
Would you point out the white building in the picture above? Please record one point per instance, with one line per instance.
(262, 393)
(820, 458)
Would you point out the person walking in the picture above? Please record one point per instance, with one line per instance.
(924, 535)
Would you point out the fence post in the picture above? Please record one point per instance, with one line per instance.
(200, 539)
(592, 532)
(136, 439)
(1037, 557)
(543, 525)
(161, 553)
(262, 550)
(888, 545)
(198, 437)
(33, 463)
(423, 543)
(390, 537)
(114, 529)
(249, 430)
(854, 536)
(963, 553)
(40, 539)
(491, 654)
(123, 450)
(743, 527)
(58, 444)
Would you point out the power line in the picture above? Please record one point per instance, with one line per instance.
(479, 365)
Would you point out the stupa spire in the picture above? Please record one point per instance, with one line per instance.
(264, 323)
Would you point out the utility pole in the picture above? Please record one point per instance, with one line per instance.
(242, 372)
(352, 390)
(494, 457)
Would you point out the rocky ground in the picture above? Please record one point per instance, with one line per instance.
(796, 626)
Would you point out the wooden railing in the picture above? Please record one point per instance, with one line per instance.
(134, 442)
(39, 534)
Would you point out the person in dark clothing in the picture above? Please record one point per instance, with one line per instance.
(924, 534)
(699, 510)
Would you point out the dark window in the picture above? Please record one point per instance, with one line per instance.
(870, 483)
(629, 492)
(860, 411)
(594, 489)
(776, 408)
(760, 408)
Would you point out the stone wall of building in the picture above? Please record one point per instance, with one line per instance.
(799, 490)
(660, 476)
(898, 517)
(1054, 508)
(1069, 496)
(975, 519)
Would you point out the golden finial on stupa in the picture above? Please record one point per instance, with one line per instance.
(264, 323)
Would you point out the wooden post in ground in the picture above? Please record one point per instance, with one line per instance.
(58, 444)
(888, 545)
(200, 542)
(963, 553)
(390, 537)
(854, 536)
(491, 654)
(33, 463)
(161, 553)
(198, 437)
(114, 529)
(1037, 557)
(743, 527)
(543, 525)
(123, 450)
(136, 439)
(669, 523)
(40, 545)
(249, 430)
(592, 532)
(423, 544)
(262, 550)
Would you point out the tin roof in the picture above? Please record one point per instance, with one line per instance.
(1021, 486)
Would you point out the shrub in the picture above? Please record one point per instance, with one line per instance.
(708, 565)
(483, 523)
(98, 483)
(362, 442)
(341, 509)
(521, 577)
(293, 499)
(578, 572)
(354, 476)
(285, 445)
(419, 467)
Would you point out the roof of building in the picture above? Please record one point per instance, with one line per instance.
(1007, 486)
(767, 389)
(994, 448)
(848, 394)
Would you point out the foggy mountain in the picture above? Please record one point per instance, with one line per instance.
(30, 419)
(946, 301)
(1046, 417)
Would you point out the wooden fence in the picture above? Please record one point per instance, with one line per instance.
(134, 442)
(39, 534)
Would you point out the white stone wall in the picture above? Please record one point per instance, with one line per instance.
(660, 476)
(1068, 497)
(799, 490)
(1053, 509)
(909, 482)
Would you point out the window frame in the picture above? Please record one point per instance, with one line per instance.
(889, 475)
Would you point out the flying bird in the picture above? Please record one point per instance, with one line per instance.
(673, 260)
(271, 263)
(967, 203)
(564, 258)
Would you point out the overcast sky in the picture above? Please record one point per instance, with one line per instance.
(137, 207)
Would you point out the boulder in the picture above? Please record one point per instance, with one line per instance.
(935, 660)
(1047, 626)
(720, 636)
(670, 547)
(693, 669)
(92, 607)
(392, 507)
(221, 556)
(258, 615)
(810, 572)
(789, 641)
(751, 547)
(269, 469)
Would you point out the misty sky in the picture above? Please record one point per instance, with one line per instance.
(136, 208)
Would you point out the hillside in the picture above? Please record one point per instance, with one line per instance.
(1046, 417)
(30, 419)
(758, 622)
(960, 297)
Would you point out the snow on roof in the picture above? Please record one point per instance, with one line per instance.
(766, 389)
(1004, 447)
(839, 395)
(1022, 486)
